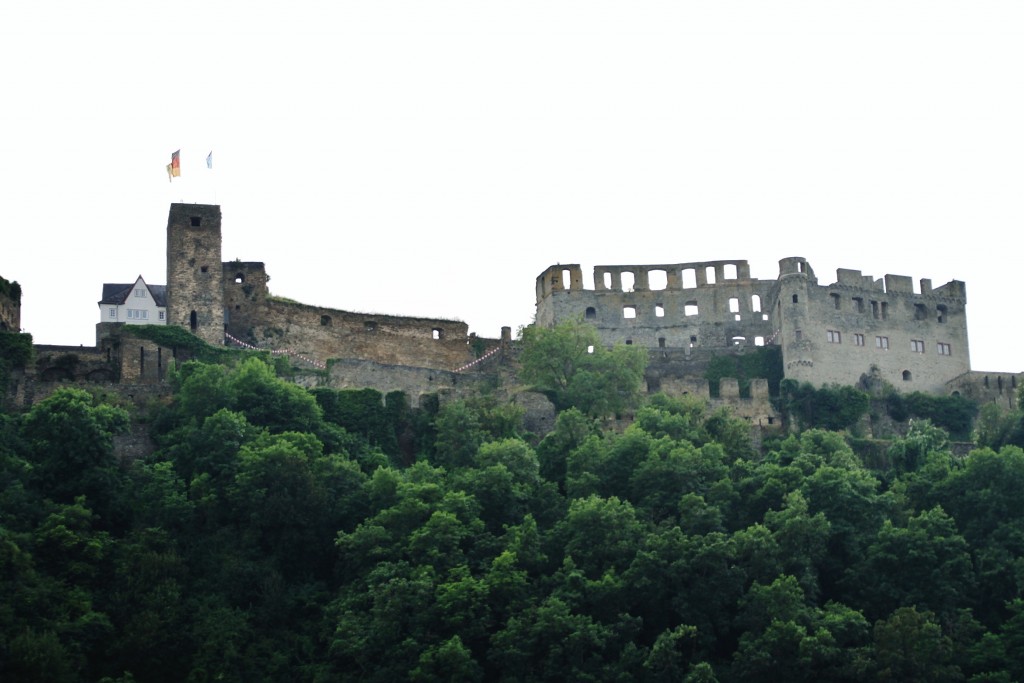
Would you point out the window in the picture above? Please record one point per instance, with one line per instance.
(113, 313)
(799, 335)
(659, 311)
(835, 300)
(629, 311)
(940, 313)
(945, 349)
(882, 343)
(796, 299)
(907, 376)
(917, 346)
(858, 339)
(437, 333)
(591, 313)
(834, 337)
(858, 303)
(162, 315)
(690, 308)
(140, 293)
(137, 314)
(920, 312)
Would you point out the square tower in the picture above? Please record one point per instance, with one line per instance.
(195, 276)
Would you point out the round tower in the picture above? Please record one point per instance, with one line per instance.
(195, 276)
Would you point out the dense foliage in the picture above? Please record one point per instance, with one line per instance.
(282, 535)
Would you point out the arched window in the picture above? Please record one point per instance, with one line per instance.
(907, 376)
(591, 313)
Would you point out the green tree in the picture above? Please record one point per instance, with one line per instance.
(569, 363)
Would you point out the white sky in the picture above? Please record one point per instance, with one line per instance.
(431, 158)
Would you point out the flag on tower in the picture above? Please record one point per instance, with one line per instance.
(174, 168)
(209, 160)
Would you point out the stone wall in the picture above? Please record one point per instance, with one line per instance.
(1001, 388)
(195, 275)
(10, 306)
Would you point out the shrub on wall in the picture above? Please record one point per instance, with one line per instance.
(955, 414)
(831, 407)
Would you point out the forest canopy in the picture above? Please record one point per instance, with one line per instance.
(281, 534)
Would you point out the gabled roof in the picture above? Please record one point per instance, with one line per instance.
(115, 293)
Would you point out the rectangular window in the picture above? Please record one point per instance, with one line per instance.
(945, 349)
(917, 346)
(858, 303)
(882, 342)
(799, 335)
(140, 293)
(834, 337)
(858, 339)
(145, 315)
(161, 313)
(113, 313)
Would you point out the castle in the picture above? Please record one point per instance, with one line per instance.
(686, 314)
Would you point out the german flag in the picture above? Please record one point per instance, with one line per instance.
(174, 168)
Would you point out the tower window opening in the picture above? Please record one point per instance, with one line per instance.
(239, 278)
(195, 221)
(591, 313)
(193, 321)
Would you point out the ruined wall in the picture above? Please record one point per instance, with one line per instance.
(713, 304)
(836, 333)
(10, 306)
(256, 318)
(195, 275)
(1000, 388)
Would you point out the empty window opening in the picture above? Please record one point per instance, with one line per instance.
(755, 303)
(835, 301)
(193, 322)
(834, 337)
(917, 345)
(239, 278)
(771, 420)
(858, 339)
(196, 221)
(882, 343)
(986, 381)
(874, 309)
(709, 275)
(607, 280)
(734, 305)
(661, 342)
(590, 349)
(628, 281)
(764, 316)
(566, 279)
(690, 308)
(907, 376)
(689, 278)
(758, 341)
(941, 312)
(591, 313)
(325, 320)
(693, 341)
(657, 279)
(799, 335)
(659, 311)
(370, 326)
(858, 304)
(945, 349)
(437, 333)
(738, 341)
(629, 312)
(629, 342)
(142, 359)
(800, 266)
(729, 271)
(885, 310)
(204, 269)
(796, 299)
(159, 358)
(920, 312)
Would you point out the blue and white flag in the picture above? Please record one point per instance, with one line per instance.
(209, 160)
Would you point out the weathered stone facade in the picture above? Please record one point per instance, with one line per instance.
(827, 334)
(10, 306)
(195, 276)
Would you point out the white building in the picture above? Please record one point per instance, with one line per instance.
(135, 304)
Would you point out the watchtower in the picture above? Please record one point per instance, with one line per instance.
(195, 276)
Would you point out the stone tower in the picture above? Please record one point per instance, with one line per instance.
(195, 276)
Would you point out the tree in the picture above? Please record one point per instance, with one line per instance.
(570, 365)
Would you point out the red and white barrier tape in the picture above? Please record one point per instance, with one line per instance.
(478, 360)
(278, 352)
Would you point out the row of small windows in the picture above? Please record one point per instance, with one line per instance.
(880, 309)
(916, 345)
(658, 279)
(690, 309)
(133, 314)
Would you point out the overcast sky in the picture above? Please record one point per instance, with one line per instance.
(431, 158)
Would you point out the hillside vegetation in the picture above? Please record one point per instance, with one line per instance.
(279, 534)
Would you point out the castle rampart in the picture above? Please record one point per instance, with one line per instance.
(827, 334)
